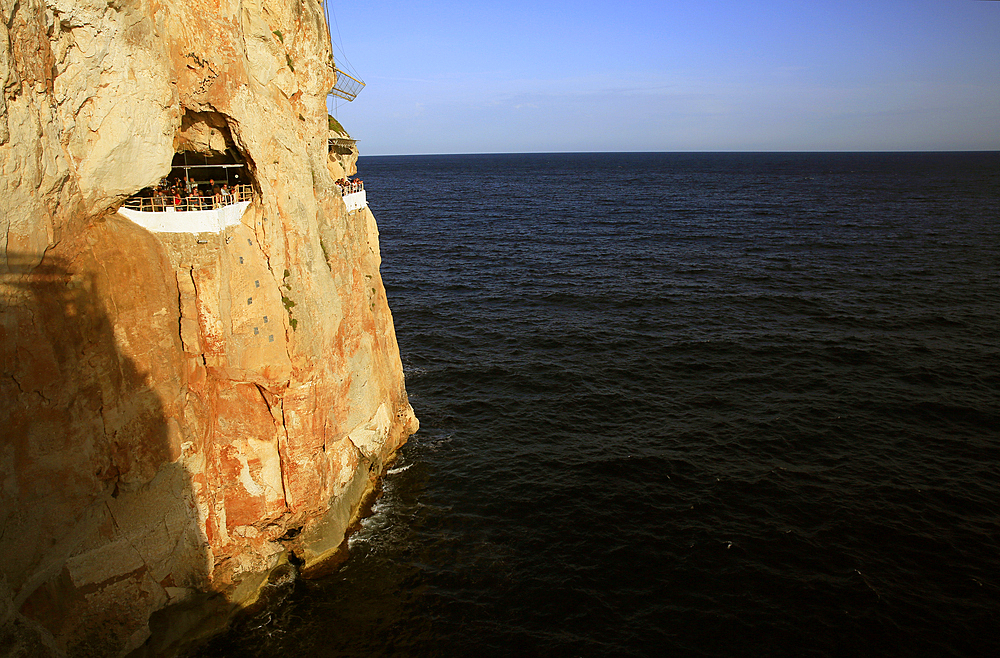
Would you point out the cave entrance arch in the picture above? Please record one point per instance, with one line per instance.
(205, 152)
(208, 171)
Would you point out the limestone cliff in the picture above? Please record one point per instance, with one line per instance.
(179, 412)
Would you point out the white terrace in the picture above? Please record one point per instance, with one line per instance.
(205, 215)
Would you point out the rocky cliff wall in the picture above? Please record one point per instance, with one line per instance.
(180, 412)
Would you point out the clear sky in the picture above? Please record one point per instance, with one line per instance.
(482, 76)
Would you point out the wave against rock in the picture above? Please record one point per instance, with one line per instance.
(181, 412)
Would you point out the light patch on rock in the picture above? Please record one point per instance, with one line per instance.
(370, 437)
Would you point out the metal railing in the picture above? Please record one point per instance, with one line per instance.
(173, 203)
(347, 86)
(351, 187)
(345, 142)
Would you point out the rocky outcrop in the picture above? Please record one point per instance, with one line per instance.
(343, 152)
(181, 413)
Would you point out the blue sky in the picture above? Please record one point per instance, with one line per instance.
(701, 75)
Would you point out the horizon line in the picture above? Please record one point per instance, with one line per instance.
(706, 151)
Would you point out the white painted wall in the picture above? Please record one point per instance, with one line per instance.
(190, 221)
(356, 200)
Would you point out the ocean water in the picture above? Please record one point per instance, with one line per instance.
(679, 404)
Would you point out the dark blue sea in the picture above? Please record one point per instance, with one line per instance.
(679, 404)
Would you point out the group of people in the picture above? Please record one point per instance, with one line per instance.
(188, 195)
(349, 186)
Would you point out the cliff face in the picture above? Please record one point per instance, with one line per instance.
(179, 411)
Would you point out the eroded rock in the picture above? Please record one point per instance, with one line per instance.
(177, 409)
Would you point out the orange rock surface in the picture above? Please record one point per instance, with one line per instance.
(179, 413)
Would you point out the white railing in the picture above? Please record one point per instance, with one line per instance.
(353, 192)
(174, 203)
(350, 187)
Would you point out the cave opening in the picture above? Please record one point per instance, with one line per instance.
(208, 169)
(206, 154)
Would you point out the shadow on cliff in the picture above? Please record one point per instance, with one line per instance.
(98, 519)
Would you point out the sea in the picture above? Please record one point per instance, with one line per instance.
(679, 404)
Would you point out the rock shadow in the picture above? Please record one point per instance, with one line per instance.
(98, 519)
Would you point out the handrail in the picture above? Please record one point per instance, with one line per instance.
(351, 187)
(166, 203)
